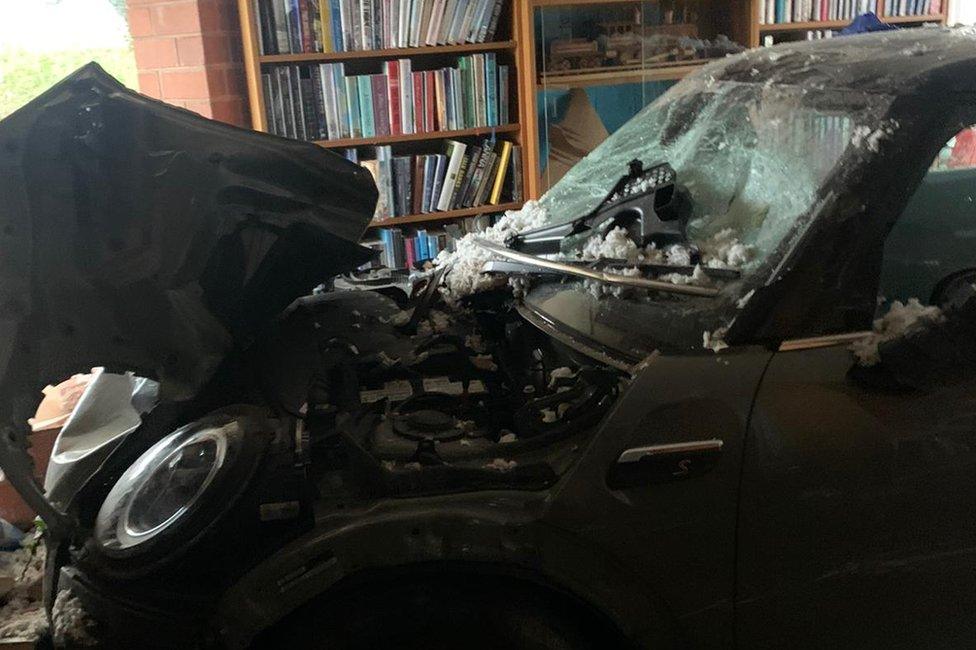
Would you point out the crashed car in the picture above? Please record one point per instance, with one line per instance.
(630, 415)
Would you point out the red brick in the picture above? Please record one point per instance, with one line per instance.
(176, 18)
(155, 53)
(236, 81)
(149, 84)
(191, 50)
(201, 107)
(139, 23)
(230, 111)
(217, 48)
(185, 84)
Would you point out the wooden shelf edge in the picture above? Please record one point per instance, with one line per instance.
(611, 77)
(929, 18)
(400, 52)
(416, 137)
(840, 24)
(444, 216)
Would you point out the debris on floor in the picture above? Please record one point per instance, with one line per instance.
(22, 616)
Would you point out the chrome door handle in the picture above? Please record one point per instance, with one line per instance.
(661, 463)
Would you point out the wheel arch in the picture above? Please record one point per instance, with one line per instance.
(470, 537)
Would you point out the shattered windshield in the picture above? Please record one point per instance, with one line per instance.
(751, 157)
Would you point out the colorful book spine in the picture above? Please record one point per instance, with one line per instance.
(366, 110)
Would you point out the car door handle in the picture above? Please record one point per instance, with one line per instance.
(663, 463)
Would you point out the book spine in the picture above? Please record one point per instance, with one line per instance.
(265, 45)
(465, 190)
(455, 152)
(403, 24)
(441, 170)
(294, 26)
(417, 205)
(381, 105)
(308, 31)
(481, 197)
(318, 97)
(479, 174)
(297, 106)
(309, 105)
(269, 112)
(445, 24)
(430, 101)
(352, 107)
(493, 25)
(503, 95)
(335, 25)
(491, 89)
(416, 15)
(366, 105)
(503, 161)
(429, 162)
(281, 26)
(462, 173)
(342, 106)
(425, 21)
(278, 98)
(393, 77)
(366, 23)
(517, 174)
(418, 102)
(406, 96)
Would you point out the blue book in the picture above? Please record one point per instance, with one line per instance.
(491, 89)
(422, 253)
(430, 163)
(780, 11)
(336, 16)
(432, 246)
(366, 105)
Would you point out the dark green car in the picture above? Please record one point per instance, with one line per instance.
(570, 468)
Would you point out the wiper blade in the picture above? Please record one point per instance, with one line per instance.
(594, 274)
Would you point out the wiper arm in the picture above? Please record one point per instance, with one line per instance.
(594, 274)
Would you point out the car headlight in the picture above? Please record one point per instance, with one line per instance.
(162, 487)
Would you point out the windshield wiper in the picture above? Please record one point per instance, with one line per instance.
(591, 273)
(645, 202)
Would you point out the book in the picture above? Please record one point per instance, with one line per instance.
(305, 20)
(503, 95)
(280, 17)
(268, 101)
(342, 104)
(417, 205)
(419, 97)
(406, 96)
(455, 153)
(381, 104)
(416, 16)
(393, 81)
(430, 101)
(353, 112)
(440, 171)
(479, 173)
(366, 24)
(447, 18)
(366, 110)
(430, 168)
(462, 172)
(516, 173)
(491, 89)
(333, 18)
(504, 156)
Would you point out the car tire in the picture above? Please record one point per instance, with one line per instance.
(444, 613)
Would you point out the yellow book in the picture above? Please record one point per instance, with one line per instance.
(325, 25)
(503, 158)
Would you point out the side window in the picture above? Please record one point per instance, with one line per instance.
(930, 253)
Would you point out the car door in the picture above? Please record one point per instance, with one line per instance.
(857, 521)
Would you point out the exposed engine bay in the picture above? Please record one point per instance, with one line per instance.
(473, 391)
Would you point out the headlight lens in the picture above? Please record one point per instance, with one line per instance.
(161, 486)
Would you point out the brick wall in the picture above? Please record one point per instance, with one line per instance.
(188, 53)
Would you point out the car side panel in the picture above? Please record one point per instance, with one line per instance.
(678, 536)
(857, 526)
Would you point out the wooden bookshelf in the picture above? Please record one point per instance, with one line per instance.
(443, 216)
(417, 137)
(394, 53)
(507, 46)
(751, 31)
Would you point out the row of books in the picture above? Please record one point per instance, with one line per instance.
(319, 102)
(306, 26)
(774, 12)
(913, 7)
(464, 176)
(398, 250)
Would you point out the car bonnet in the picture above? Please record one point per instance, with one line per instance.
(141, 237)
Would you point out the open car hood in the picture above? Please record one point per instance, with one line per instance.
(142, 237)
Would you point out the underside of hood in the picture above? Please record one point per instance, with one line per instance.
(145, 238)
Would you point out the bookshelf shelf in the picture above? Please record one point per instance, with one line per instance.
(394, 53)
(936, 18)
(417, 137)
(443, 216)
(802, 27)
(608, 77)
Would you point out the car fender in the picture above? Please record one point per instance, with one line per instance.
(500, 530)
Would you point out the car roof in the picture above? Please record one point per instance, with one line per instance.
(900, 62)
